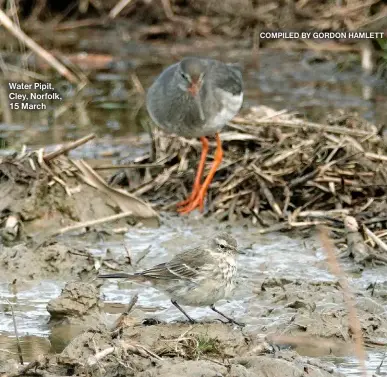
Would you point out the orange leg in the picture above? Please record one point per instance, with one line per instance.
(199, 173)
(199, 199)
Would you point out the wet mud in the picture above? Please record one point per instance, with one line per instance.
(179, 349)
(318, 310)
(293, 324)
(41, 202)
(298, 319)
(55, 260)
(77, 299)
(41, 195)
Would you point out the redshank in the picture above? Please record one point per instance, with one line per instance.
(196, 98)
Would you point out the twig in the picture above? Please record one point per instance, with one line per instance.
(276, 228)
(91, 223)
(270, 198)
(300, 125)
(126, 166)
(143, 255)
(120, 323)
(277, 113)
(380, 365)
(68, 147)
(19, 350)
(81, 225)
(287, 154)
(329, 213)
(30, 43)
(26, 368)
(131, 304)
(134, 348)
(128, 255)
(109, 265)
(353, 322)
(168, 9)
(375, 238)
(70, 25)
(375, 156)
(92, 360)
(118, 8)
(137, 84)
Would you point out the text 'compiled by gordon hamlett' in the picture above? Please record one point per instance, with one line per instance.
(321, 34)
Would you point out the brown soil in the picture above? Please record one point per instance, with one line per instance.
(55, 260)
(41, 202)
(179, 350)
(318, 310)
(37, 195)
(77, 299)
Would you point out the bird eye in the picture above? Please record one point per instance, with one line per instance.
(184, 76)
(222, 246)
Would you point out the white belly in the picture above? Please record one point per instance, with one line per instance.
(231, 104)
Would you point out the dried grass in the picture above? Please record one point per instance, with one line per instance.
(35, 186)
(281, 173)
(231, 18)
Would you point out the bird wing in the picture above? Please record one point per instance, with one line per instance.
(182, 266)
(228, 78)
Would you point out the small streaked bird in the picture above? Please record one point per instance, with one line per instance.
(196, 98)
(197, 277)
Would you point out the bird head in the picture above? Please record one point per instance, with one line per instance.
(224, 243)
(192, 72)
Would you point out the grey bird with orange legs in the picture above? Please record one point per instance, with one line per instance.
(196, 98)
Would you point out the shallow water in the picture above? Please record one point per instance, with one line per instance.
(276, 255)
(350, 366)
(312, 84)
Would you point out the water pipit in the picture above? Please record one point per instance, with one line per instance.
(197, 277)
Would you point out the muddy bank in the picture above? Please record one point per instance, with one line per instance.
(42, 195)
(175, 350)
(317, 310)
(75, 310)
(41, 202)
(311, 315)
(55, 260)
(77, 300)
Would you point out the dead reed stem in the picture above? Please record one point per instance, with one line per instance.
(353, 319)
(118, 8)
(40, 51)
(68, 147)
(19, 350)
(92, 223)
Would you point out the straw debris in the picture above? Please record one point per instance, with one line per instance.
(48, 192)
(279, 172)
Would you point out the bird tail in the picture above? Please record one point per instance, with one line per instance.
(119, 275)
